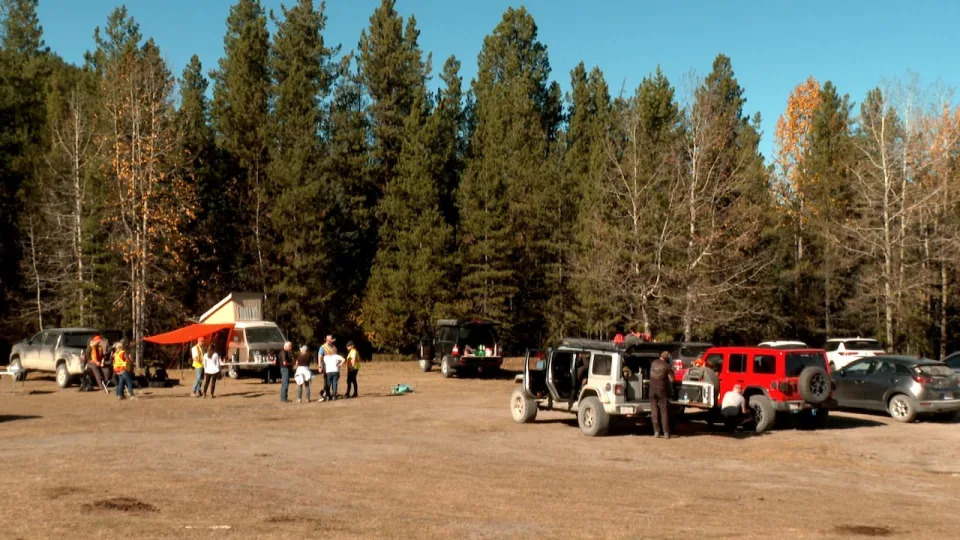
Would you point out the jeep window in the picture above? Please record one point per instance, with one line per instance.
(738, 363)
(714, 361)
(475, 336)
(264, 334)
(50, 339)
(831, 346)
(602, 363)
(76, 341)
(765, 364)
(797, 361)
(863, 345)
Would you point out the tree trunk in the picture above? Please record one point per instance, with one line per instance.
(944, 301)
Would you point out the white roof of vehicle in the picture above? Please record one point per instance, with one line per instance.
(782, 343)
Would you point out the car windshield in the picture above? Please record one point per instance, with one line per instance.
(863, 345)
(76, 341)
(797, 361)
(935, 370)
(264, 334)
(475, 336)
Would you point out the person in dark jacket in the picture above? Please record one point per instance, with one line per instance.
(661, 381)
(285, 362)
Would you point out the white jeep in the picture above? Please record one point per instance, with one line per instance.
(596, 380)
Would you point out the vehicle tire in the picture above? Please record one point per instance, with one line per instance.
(15, 365)
(233, 373)
(446, 367)
(425, 365)
(591, 417)
(902, 409)
(522, 407)
(763, 414)
(63, 376)
(814, 385)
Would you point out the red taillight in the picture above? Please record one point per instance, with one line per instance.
(618, 389)
(677, 364)
(456, 350)
(921, 379)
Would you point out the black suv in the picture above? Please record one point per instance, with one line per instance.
(462, 346)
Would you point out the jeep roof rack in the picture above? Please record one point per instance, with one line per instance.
(579, 343)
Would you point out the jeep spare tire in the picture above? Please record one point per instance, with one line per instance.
(814, 384)
(522, 407)
(763, 413)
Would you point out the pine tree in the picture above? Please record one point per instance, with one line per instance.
(409, 283)
(451, 142)
(303, 75)
(241, 120)
(508, 197)
(394, 73)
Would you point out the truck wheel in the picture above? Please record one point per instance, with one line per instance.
(15, 365)
(425, 365)
(446, 367)
(901, 409)
(763, 413)
(591, 417)
(232, 372)
(522, 407)
(63, 376)
(814, 385)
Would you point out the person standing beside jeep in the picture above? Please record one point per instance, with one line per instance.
(661, 380)
(285, 361)
(196, 354)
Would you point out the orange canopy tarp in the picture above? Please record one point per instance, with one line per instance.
(187, 333)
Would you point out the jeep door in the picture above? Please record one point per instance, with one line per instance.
(30, 359)
(561, 368)
(46, 360)
(763, 368)
(535, 373)
(735, 372)
(850, 380)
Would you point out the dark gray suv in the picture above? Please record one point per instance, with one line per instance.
(904, 386)
(462, 346)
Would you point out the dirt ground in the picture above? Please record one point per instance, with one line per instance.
(447, 461)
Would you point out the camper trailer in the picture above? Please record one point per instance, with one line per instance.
(249, 345)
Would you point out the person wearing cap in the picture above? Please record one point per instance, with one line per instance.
(285, 360)
(120, 367)
(95, 361)
(353, 366)
(733, 408)
(303, 374)
(661, 380)
(196, 354)
(329, 347)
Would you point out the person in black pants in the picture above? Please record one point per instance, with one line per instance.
(285, 360)
(661, 381)
(353, 367)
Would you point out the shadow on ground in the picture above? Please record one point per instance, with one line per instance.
(12, 417)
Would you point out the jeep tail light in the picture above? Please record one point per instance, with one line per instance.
(677, 364)
(456, 350)
(618, 389)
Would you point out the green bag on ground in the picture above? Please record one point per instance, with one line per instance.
(401, 389)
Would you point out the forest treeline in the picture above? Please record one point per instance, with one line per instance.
(361, 201)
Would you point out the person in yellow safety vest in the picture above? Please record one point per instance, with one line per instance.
(196, 354)
(123, 371)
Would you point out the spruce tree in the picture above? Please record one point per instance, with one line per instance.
(409, 283)
(241, 120)
(303, 75)
(509, 204)
(451, 142)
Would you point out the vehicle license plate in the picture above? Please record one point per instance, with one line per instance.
(627, 410)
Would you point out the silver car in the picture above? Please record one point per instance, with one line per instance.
(904, 386)
(56, 350)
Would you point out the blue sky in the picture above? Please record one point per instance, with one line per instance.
(774, 45)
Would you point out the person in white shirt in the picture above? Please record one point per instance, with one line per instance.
(331, 365)
(733, 408)
(211, 371)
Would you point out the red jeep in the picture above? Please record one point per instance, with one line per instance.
(773, 381)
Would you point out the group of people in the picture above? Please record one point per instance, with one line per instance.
(102, 365)
(208, 365)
